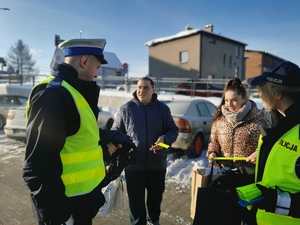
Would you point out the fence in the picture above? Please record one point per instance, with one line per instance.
(18, 79)
(185, 86)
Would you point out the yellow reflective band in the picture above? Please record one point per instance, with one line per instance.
(163, 145)
(229, 158)
(78, 157)
(82, 176)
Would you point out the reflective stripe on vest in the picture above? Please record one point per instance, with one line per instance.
(82, 156)
(280, 170)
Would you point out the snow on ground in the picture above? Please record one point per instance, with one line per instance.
(10, 149)
(180, 167)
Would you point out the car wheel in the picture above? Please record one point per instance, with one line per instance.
(2, 122)
(196, 148)
(109, 123)
(121, 89)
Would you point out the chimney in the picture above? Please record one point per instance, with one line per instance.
(209, 28)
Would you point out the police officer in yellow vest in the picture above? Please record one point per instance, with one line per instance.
(278, 156)
(64, 164)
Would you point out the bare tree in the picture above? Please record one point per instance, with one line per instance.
(20, 58)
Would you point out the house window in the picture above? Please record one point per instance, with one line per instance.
(236, 72)
(237, 51)
(212, 40)
(224, 59)
(183, 56)
(230, 60)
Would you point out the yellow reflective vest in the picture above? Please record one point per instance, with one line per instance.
(280, 170)
(81, 156)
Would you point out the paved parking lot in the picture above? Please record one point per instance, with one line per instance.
(15, 206)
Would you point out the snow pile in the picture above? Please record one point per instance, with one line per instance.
(180, 167)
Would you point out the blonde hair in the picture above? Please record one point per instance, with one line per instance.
(270, 90)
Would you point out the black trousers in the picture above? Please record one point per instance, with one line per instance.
(84, 208)
(138, 182)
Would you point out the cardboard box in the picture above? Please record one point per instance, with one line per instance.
(198, 180)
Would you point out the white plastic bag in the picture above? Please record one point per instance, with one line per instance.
(113, 194)
(119, 200)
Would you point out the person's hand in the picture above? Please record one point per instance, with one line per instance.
(252, 158)
(70, 221)
(211, 156)
(270, 198)
(112, 148)
(131, 150)
(156, 147)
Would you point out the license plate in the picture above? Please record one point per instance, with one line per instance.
(18, 131)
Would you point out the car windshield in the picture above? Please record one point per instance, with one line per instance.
(176, 107)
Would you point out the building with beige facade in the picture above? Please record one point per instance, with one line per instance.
(196, 54)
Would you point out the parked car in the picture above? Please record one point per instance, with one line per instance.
(15, 127)
(194, 118)
(105, 119)
(199, 89)
(6, 102)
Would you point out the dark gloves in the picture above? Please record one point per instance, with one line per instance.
(117, 137)
(270, 198)
(119, 160)
(130, 150)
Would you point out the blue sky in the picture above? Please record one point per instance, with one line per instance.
(267, 25)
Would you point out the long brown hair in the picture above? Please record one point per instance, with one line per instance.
(235, 85)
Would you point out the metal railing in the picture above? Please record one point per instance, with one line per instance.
(184, 86)
(191, 87)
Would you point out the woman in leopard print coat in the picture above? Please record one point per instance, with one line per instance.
(235, 130)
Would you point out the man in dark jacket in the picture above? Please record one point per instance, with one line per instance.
(148, 122)
(64, 165)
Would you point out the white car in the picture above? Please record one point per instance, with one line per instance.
(105, 119)
(15, 127)
(193, 118)
(8, 101)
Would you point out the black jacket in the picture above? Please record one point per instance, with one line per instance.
(52, 117)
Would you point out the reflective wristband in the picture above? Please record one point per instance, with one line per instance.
(283, 203)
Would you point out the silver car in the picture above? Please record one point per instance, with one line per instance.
(15, 127)
(8, 101)
(193, 118)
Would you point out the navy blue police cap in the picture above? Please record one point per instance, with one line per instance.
(283, 73)
(84, 47)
